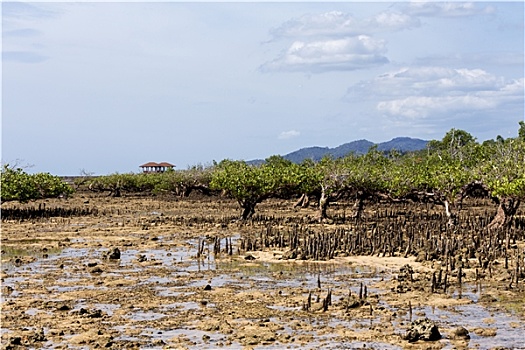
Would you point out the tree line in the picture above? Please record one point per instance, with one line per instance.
(445, 173)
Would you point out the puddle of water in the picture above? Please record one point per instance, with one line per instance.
(156, 280)
(193, 336)
(107, 308)
(172, 292)
(145, 316)
(71, 253)
(187, 305)
(295, 275)
(10, 281)
(265, 276)
(470, 316)
(32, 311)
(366, 345)
(216, 281)
(474, 316)
(230, 280)
(63, 289)
(10, 254)
(5, 331)
(327, 340)
(283, 308)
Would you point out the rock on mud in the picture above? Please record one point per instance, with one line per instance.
(63, 307)
(461, 333)
(96, 269)
(94, 313)
(113, 254)
(422, 329)
(485, 332)
(27, 338)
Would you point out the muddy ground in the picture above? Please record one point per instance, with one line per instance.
(64, 286)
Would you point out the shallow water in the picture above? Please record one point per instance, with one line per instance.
(510, 330)
(67, 267)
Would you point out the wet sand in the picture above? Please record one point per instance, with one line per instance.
(169, 290)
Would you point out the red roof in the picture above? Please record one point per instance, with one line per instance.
(153, 164)
(149, 164)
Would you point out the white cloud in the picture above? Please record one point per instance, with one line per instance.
(390, 21)
(285, 135)
(328, 23)
(440, 79)
(422, 106)
(446, 9)
(429, 91)
(425, 81)
(340, 24)
(336, 41)
(340, 54)
(515, 58)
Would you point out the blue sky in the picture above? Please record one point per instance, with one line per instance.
(105, 87)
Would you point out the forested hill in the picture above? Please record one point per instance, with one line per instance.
(402, 144)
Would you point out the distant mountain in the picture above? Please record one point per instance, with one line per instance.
(401, 144)
(314, 153)
(358, 147)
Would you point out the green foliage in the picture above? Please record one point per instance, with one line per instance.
(443, 171)
(368, 174)
(250, 184)
(21, 186)
(183, 182)
(354, 174)
(446, 168)
(405, 175)
(453, 140)
(457, 148)
(503, 169)
(311, 175)
(179, 182)
(129, 182)
(446, 177)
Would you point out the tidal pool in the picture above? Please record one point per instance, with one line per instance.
(165, 301)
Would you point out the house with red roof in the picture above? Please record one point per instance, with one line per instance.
(152, 167)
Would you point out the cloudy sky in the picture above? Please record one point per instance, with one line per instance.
(105, 87)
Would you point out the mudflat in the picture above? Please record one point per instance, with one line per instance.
(154, 273)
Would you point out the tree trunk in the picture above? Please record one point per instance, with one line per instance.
(506, 209)
(302, 202)
(451, 214)
(323, 205)
(185, 191)
(248, 209)
(116, 192)
(474, 188)
(358, 207)
(203, 189)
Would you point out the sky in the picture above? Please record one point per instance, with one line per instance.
(94, 87)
